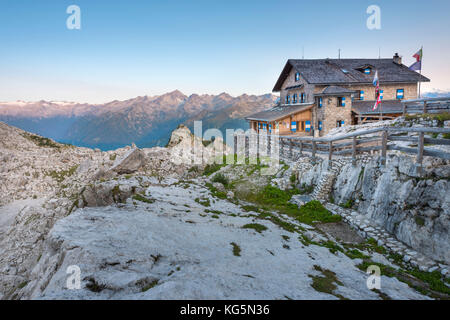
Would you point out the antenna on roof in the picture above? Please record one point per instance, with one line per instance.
(303, 52)
(339, 54)
(379, 52)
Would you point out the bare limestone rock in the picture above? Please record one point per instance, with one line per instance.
(130, 162)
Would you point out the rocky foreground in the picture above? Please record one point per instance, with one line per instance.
(146, 224)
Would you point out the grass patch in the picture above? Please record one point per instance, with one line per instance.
(255, 226)
(141, 198)
(149, 286)
(22, 285)
(327, 282)
(348, 204)
(236, 249)
(305, 189)
(221, 179)
(216, 192)
(314, 211)
(217, 212)
(248, 208)
(211, 168)
(419, 221)
(41, 141)
(355, 254)
(203, 201)
(60, 176)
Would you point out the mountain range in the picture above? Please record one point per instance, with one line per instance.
(146, 120)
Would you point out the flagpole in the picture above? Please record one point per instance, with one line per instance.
(420, 72)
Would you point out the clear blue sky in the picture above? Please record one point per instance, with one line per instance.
(130, 48)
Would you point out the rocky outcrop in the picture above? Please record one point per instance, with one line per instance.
(416, 209)
(130, 162)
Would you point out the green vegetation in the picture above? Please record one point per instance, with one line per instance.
(217, 212)
(292, 178)
(141, 198)
(215, 192)
(248, 208)
(112, 157)
(355, 254)
(440, 117)
(419, 221)
(221, 179)
(348, 204)
(59, 176)
(256, 226)
(149, 286)
(203, 201)
(446, 135)
(314, 211)
(211, 168)
(433, 279)
(41, 141)
(306, 189)
(272, 198)
(236, 249)
(22, 285)
(327, 282)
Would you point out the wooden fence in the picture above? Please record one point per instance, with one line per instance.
(351, 144)
(430, 105)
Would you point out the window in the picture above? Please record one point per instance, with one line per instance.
(320, 102)
(308, 126)
(294, 98)
(288, 99)
(400, 93)
(303, 98)
(293, 126)
(367, 70)
(339, 123)
(361, 95)
(297, 76)
(381, 94)
(320, 125)
(341, 101)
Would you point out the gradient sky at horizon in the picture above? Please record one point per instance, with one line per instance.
(131, 48)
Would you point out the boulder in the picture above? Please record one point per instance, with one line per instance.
(130, 162)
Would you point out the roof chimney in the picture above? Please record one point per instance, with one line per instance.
(397, 59)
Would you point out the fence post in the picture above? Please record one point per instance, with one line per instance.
(354, 151)
(314, 151)
(235, 143)
(425, 107)
(383, 147)
(247, 147)
(419, 158)
(257, 146)
(269, 141)
(330, 150)
(301, 148)
(291, 148)
(404, 109)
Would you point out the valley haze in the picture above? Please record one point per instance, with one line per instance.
(146, 121)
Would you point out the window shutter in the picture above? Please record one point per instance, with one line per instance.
(320, 125)
(307, 126)
(320, 102)
(381, 94)
(294, 126)
(343, 102)
(342, 123)
(361, 95)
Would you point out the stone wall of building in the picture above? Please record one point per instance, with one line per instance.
(290, 81)
(330, 113)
